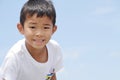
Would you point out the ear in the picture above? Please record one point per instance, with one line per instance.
(20, 28)
(54, 29)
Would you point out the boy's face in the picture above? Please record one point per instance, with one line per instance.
(37, 31)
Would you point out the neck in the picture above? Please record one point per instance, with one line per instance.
(40, 55)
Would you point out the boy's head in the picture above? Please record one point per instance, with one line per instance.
(39, 7)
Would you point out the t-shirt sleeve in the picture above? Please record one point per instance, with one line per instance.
(59, 60)
(8, 70)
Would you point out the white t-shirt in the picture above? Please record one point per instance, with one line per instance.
(20, 65)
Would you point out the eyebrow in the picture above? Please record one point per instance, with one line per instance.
(32, 23)
(47, 24)
(43, 24)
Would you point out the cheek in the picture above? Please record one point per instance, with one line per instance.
(48, 34)
(28, 33)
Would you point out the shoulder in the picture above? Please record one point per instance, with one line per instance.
(16, 48)
(54, 48)
(56, 51)
(53, 43)
(12, 57)
(18, 44)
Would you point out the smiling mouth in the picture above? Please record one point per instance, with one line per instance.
(39, 41)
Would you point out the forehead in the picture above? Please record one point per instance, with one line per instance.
(38, 20)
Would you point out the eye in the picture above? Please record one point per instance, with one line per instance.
(32, 27)
(46, 27)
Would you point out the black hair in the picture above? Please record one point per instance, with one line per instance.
(39, 7)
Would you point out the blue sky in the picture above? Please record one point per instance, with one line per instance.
(88, 31)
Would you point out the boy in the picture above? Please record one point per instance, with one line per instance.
(36, 57)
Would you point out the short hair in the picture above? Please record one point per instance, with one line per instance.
(39, 7)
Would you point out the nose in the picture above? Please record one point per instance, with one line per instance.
(39, 33)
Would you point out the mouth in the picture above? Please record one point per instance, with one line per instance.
(39, 41)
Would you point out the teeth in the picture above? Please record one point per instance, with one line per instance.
(39, 41)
